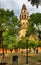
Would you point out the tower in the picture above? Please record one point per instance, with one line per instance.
(23, 21)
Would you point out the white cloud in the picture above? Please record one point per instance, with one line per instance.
(16, 5)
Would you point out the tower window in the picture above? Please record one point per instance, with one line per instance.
(24, 16)
(27, 16)
(23, 23)
(24, 11)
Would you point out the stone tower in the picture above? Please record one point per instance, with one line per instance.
(23, 21)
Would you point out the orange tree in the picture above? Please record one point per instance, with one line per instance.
(22, 43)
(34, 25)
(33, 44)
(8, 27)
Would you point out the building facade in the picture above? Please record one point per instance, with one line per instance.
(23, 21)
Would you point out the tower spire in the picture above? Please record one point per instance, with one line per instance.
(24, 7)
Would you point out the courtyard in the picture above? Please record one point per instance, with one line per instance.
(20, 32)
(33, 59)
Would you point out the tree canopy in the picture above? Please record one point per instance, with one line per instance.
(32, 43)
(22, 43)
(35, 2)
(9, 25)
(34, 24)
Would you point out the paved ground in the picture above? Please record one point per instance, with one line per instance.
(32, 60)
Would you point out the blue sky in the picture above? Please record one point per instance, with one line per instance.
(16, 5)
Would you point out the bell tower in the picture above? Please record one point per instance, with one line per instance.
(23, 21)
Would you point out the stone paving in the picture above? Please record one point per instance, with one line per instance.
(22, 60)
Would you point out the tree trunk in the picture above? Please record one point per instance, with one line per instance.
(18, 50)
(34, 50)
(22, 51)
(6, 51)
(3, 51)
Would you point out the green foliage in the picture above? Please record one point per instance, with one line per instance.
(34, 23)
(35, 18)
(10, 42)
(8, 21)
(31, 29)
(22, 43)
(9, 26)
(35, 2)
(39, 44)
(5, 34)
(32, 43)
